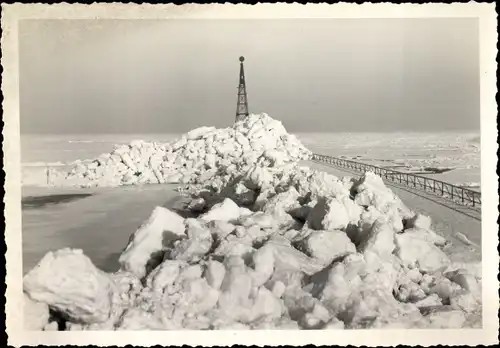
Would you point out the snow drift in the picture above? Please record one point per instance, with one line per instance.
(195, 157)
(262, 243)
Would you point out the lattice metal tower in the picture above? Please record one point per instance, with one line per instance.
(242, 107)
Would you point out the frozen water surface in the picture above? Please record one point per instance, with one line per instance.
(100, 223)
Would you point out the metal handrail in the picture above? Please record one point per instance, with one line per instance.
(440, 188)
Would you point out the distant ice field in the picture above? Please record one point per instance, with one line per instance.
(454, 157)
(40, 150)
(450, 157)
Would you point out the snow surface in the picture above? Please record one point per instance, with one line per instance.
(267, 244)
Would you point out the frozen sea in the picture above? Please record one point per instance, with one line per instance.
(456, 153)
(119, 211)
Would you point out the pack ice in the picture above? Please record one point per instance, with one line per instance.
(268, 245)
(195, 157)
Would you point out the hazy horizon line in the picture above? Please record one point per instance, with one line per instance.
(290, 132)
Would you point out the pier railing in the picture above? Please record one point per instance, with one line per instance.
(445, 190)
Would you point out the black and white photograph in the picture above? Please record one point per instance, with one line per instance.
(322, 174)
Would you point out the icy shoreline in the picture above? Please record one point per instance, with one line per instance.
(264, 244)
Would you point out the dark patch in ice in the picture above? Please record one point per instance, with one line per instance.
(219, 258)
(354, 190)
(34, 202)
(259, 243)
(185, 213)
(300, 245)
(216, 243)
(211, 198)
(297, 313)
(304, 199)
(180, 206)
(427, 310)
(155, 259)
(298, 214)
(59, 317)
(433, 170)
(319, 279)
(353, 232)
(248, 258)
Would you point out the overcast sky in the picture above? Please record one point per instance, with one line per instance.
(318, 75)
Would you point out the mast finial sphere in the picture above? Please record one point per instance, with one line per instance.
(242, 59)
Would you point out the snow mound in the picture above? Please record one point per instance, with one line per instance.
(272, 247)
(195, 157)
